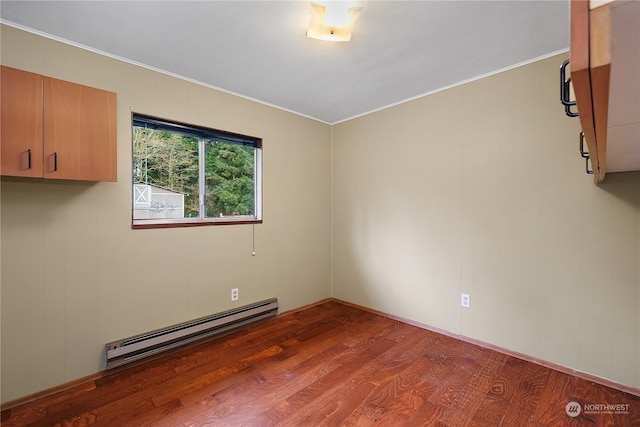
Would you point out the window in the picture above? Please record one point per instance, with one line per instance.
(185, 175)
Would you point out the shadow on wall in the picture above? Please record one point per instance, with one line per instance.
(56, 194)
(623, 185)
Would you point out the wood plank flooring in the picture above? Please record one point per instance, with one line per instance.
(331, 364)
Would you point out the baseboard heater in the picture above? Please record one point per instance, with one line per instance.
(137, 347)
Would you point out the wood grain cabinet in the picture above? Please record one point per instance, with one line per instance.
(605, 70)
(56, 129)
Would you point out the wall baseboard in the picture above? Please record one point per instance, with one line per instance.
(87, 383)
(579, 374)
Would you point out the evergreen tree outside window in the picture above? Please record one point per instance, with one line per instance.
(185, 175)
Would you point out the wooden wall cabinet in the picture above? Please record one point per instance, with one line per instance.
(56, 129)
(21, 131)
(605, 65)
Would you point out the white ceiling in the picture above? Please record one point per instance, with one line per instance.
(257, 49)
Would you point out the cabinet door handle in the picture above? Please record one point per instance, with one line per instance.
(29, 158)
(583, 154)
(55, 161)
(586, 166)
(565, 84)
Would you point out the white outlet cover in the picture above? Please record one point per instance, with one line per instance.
(465, 300)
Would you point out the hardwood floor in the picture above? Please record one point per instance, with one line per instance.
(331, 364)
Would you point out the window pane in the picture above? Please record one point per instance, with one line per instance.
(186, 176)
(165, 175)
(229, 179)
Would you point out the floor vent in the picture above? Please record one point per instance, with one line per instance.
(137, 347)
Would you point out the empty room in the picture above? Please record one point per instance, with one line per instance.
(293, 213)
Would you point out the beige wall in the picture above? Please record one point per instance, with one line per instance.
(480, 189)
(75, 276)
(477, 189)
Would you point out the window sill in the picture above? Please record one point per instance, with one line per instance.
(146, 224)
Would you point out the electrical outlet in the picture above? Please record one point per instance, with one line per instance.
(465, 300)
(234, 294)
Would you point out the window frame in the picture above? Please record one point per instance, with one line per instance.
(201, 132)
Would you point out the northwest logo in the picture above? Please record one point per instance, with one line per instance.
(573, 409)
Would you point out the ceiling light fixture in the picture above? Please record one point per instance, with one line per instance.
(332, 21)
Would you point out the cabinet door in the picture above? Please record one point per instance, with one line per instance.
(79, 132)
(21, 123)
